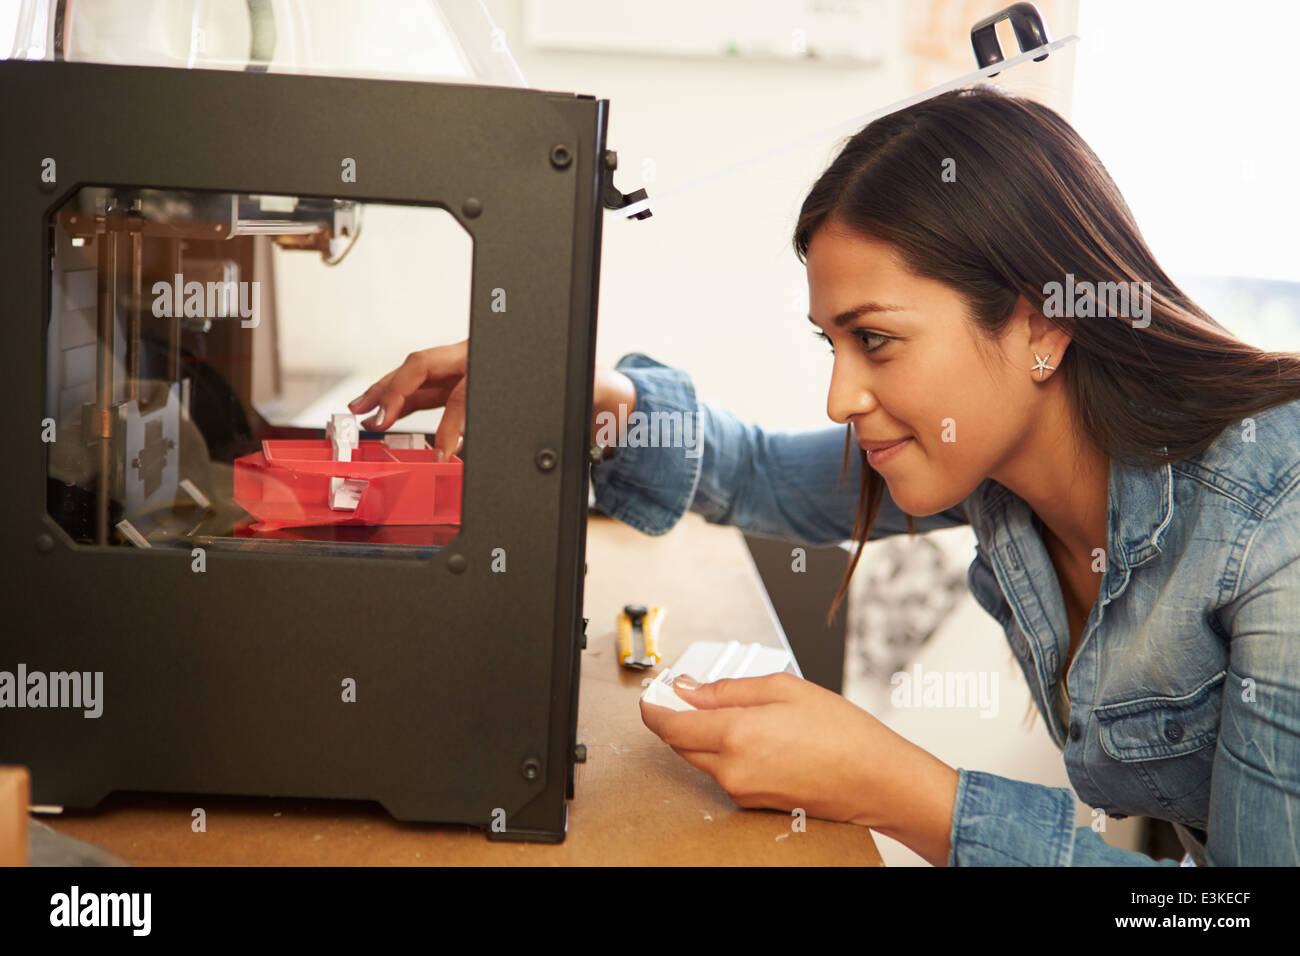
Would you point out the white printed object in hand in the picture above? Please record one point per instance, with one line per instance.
(708, 661)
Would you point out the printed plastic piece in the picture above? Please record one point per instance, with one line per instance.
(344, 435)
(708, 661)
(412, 442)
(288, 484)
(345, 493)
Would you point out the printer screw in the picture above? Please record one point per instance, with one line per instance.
(560, 156)
(611, 159)
(472, 207)
(44, 543)
(546, 459)
(457, 563)
(532, 768)
(580, 753)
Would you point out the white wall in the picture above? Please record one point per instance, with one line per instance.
(710, 282)
(1194, 117)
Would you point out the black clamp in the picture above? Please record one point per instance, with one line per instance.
(612, 197)
(1027, 23)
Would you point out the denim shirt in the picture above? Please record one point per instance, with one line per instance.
(1184, 693)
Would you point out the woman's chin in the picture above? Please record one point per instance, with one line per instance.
(924, 505)
(905, 503)
(908, 501)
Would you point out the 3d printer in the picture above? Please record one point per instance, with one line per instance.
(277, 609)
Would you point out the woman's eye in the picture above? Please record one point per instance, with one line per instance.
(863, 336)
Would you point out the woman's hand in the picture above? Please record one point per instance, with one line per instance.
(437, 378)
(434, 378)
(781, 742)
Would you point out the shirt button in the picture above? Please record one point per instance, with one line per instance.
(1174, 731)
(1075, 730)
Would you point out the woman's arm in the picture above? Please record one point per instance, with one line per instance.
(1255, 791)
(778, 484)
(1002, 822)
(917, 812)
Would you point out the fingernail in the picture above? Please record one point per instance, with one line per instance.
(379, 418)
(355, 400)
(686, 682)
(439, 455)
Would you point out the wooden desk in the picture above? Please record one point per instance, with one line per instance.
(637, 802)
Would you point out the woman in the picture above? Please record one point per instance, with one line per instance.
(1009, 355)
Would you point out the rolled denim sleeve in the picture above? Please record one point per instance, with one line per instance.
(1002, 822)
(784, 485)
(651, 487)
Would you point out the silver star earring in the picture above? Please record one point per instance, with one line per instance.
(1042, 364)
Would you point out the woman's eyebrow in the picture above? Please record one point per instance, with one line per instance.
(847, 316)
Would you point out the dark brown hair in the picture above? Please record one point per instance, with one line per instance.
(1031, 203)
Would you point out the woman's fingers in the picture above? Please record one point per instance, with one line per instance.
(370, 397)
(434, 397)
(409, 378)
(438, 367)
(696, 730)
(710, 763)
(452, 427)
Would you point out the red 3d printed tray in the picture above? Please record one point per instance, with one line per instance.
(292, 483)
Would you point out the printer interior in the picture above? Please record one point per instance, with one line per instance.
(167, 384)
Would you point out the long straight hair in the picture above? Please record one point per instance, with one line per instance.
(996, 196)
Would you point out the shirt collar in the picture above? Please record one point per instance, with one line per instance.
(1140, 506)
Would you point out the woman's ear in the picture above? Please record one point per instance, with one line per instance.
(1041, 334)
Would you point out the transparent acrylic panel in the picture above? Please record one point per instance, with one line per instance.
(201, 352)
(444, 40)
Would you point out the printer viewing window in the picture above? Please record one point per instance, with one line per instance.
(192, 401)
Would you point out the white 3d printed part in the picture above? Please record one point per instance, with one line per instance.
(344, 435)
(708, 661)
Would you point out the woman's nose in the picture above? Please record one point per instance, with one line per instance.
(849, 396)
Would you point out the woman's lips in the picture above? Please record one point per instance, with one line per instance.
(882, 444)
(880, 453)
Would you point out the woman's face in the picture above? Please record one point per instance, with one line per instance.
(907, 365)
